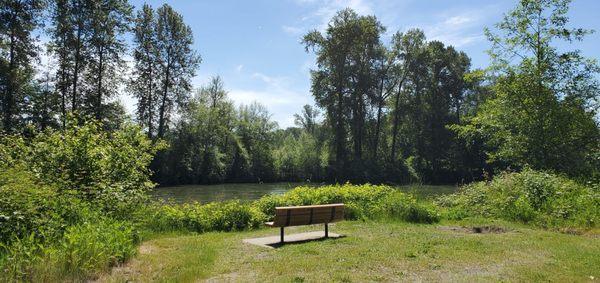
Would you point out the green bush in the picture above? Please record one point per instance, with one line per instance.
(19, 257)
(218, 216)
(403, 206)
(107, 168)
(92, 246)
(63, 196)
(85, 249)
(529, 196)
(29, 207)
(361, 202)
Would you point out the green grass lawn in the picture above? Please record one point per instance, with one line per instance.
(372, 251)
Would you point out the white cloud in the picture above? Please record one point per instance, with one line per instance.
(274, 93)
(330, 7)
(239, 68)
(292, 30)
(322, 13)
(458, 28)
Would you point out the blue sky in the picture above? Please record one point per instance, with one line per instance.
(255, 45)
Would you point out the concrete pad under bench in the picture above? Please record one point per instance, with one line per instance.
(275, 241)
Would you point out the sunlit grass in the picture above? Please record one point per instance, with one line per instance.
(372, 251)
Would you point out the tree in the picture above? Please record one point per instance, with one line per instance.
(407, 52)
(307, 119)
(144, 80)
(343, 82)
(60, 45)
(255, 132)
(18, 49)
(177, 63)
(108, 21)
(542, 112)
(42, 104)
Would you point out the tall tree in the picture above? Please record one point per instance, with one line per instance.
(18, 19)
(542, 112)
(343, 81)
(70, 32)
(255, 132)
(407, 51)
(144, 80)
(108, 21)
(307, 119)
(79, 15)
(60, 45)
(43, 103)
(177, 63)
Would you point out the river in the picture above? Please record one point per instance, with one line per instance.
(253, 191)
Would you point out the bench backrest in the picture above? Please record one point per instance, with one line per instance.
(307, 215)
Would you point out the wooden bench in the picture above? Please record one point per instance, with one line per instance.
(307, 215)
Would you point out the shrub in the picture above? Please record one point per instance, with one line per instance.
(528, 196)
(85, 249)
(361, 202)
(28, 207)
(62, 195)
(403, 206)
(19, 257)
(223, 216)
(92, 246)
(107, 168)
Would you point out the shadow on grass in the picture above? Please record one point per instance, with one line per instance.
(297, 242)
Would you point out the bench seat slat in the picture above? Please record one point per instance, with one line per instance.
(311, 206)
(306, 215)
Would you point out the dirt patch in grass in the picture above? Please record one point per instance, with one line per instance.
(475, 229)
(147, 248)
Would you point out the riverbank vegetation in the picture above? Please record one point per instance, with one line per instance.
(521, 135)
(57, 226)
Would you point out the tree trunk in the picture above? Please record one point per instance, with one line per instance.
(98, 104)
(77, 61)
(149, 109)
(339, 133)
(9, 98)
(396, 120)
(161, 118)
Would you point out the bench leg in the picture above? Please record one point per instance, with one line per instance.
(326, 231)
(281, 234)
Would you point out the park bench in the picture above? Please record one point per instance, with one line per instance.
(307, 215)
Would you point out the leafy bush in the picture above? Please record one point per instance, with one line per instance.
(85, 249)
(529, 196)
(361, 202)
(403, 206)
(28, 207)
(223, 216)
(62, 195)
(107, 168)
(92, 246)
(20, 257)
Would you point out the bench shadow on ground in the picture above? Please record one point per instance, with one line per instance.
(286, 243)
(274, 242)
